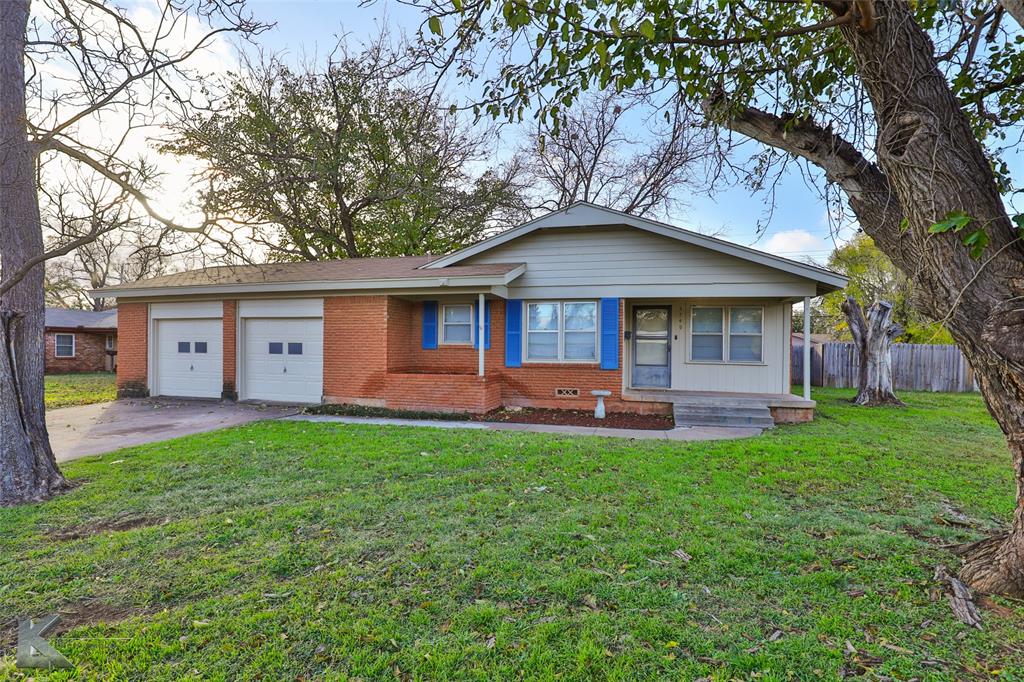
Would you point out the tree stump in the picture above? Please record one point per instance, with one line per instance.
(873, 331)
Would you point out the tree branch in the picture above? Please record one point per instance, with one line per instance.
(870, 195)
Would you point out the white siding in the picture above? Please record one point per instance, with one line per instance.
(628, 262)
(772, 376)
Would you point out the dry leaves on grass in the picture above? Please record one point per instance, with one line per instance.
(682, 555)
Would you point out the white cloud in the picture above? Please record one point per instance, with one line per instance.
(795, 243)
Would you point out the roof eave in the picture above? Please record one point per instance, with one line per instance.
(439, 281)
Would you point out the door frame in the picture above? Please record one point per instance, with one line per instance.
(668, 307)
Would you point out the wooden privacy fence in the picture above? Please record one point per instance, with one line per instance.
(915, 367)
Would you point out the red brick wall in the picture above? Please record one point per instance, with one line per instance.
(90, 353)
(369, 362)
(534, 384)
(401, 316)
(355, 349)
(451, 393)
(453, 359)
(230, 391)
(132, 354)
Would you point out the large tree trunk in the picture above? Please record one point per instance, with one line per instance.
(873, 334)
(935, 165)
(28, 470)
(930, 164)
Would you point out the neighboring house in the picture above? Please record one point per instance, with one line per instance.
(582, 299)
(816, 339)
(80, 340)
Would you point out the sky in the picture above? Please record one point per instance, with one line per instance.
(798, 228)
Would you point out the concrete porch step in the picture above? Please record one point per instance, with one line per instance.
(736, 410)
(745, 414)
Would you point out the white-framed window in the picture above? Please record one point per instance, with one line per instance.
(64, 345)
(707, 334)
(457, 323)
(726, 334)
(561, 331)
(746, 332)
(110, 342)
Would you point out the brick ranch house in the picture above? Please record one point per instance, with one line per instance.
(581, 299)
(80, 341)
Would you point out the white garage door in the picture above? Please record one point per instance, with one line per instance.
(189, 358)
(283, 360)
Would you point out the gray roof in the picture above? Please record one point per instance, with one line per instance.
(347, 270)
(62, 318)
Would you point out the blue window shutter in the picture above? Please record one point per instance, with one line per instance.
(609, 333)
(476, 326)
(514, 332)
(429, 325)
(487, 325)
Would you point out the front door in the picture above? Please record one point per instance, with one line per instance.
(652, 346)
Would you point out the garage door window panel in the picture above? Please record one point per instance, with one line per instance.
(184, 346)
(294, 349)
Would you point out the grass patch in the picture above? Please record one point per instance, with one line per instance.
(66, 390)
(290, 550)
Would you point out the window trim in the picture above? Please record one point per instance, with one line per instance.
(108, 343)
(74, 346)
(444, 323)
(726, 333)
(561, 359)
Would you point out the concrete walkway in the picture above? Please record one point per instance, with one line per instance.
(94, 429)
(693, 433)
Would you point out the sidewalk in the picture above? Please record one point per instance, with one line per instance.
(693, 433)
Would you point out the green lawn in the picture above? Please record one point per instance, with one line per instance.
(297, 551)
(65, 390)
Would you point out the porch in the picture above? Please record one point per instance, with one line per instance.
(713, 361)
(722, 408)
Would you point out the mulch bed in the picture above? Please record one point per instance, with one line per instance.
(613, 420)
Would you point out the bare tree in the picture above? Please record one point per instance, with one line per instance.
(121, 252)
(617, 150)
(97, 77)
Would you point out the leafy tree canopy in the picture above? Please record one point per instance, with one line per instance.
(344, 162)
(782, 55)
(873, 277)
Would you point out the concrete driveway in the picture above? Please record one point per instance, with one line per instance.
(94, 429)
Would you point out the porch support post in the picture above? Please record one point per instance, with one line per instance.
(481, 342)
(807, 347)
